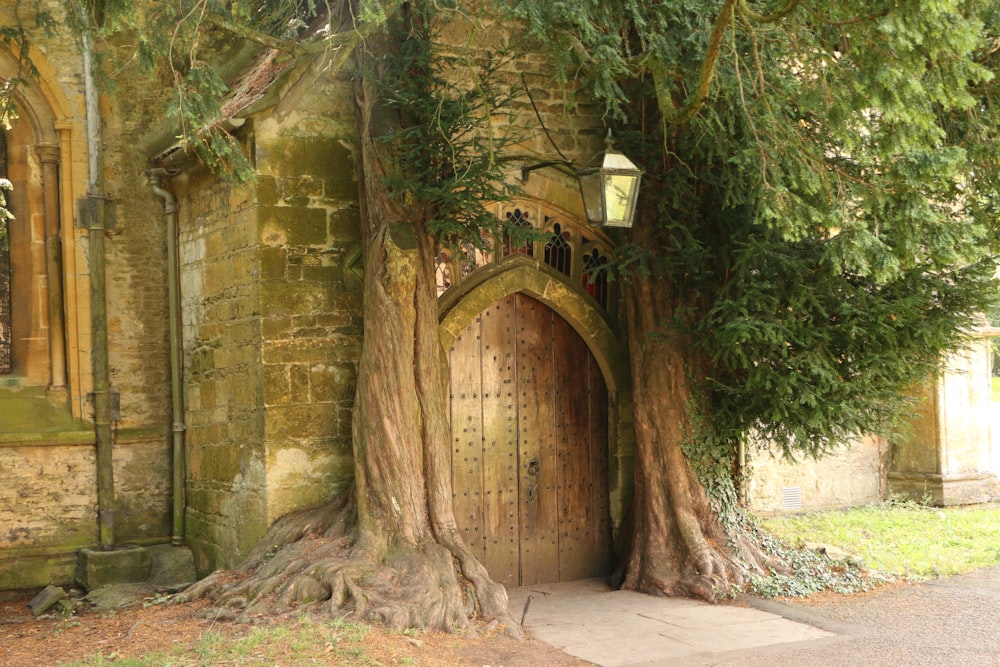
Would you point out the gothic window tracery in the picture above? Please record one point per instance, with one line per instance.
(595, 276)
(511, 245)
(555, 241)
(558, 252)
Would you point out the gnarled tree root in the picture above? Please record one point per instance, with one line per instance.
(313, 561)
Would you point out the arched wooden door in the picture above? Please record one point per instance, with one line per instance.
(529, 446)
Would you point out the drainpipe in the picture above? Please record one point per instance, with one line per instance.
(98, 304)
(176, 343)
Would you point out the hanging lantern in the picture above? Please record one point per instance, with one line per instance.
(610, 189)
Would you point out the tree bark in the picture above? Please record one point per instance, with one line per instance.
(678, 545)
(390, 551)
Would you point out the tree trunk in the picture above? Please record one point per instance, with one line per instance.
(678, 545)
(390, 551)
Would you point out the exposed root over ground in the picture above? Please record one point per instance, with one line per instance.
(317, 559)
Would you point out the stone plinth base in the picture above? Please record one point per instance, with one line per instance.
(945, 490)
(171, 565)
(127, 564)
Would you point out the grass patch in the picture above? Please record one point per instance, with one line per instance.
(902, 540)
(320, 641)
(996, 387)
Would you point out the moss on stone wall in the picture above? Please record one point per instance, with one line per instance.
(30, 410)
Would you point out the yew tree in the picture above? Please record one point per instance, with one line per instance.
(389, 549)
(817, 227)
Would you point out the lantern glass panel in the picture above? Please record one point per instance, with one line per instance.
(590, 189)
(619, 198)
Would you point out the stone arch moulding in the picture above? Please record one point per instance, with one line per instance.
(41, 139)
(520, 275)
(497, 273)
(42, 103)
(506, 276)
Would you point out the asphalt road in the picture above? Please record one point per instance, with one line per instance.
(954, 621)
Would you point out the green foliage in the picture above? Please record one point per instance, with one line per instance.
(184, 45)
(440, 151)
(812, 572)
(820, 189)
(373, 11)
(892, 537)
(714, 460)
(195, 107)
(438, 155)
(805, 570)
(993, 316)
(813, 355)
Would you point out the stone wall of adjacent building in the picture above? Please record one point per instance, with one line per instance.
(947, 455)
(853, 475)
(222, 370)
(136, 264)
(272, 322)
(48, 500)
(310, 282)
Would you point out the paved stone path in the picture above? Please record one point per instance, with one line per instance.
(945, 622)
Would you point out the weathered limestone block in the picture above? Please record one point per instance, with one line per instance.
(170, 565)
(947, 457)
(126, 564)
(45, 599)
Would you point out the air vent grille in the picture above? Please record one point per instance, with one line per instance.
(791, 498)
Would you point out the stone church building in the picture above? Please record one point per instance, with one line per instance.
(232, 318)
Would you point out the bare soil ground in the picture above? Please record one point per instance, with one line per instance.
(137, 630)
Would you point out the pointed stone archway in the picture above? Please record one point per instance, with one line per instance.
(542, 440)
(529, 445)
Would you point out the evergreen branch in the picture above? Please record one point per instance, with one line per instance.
(749, 116)
(851, 21)
(679, 116)
(252, 35)
(576, 44)
(347, 38)
(744, 9)
(987, 54)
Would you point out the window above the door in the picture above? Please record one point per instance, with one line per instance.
(562, 245)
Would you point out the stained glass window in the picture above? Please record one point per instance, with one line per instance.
(512, 246)
(595, 276)
(558, 252)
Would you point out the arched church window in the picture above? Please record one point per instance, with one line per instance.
(534, 234)
(558, 252)
(512, 245)
(595, 276)
(6, 337)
